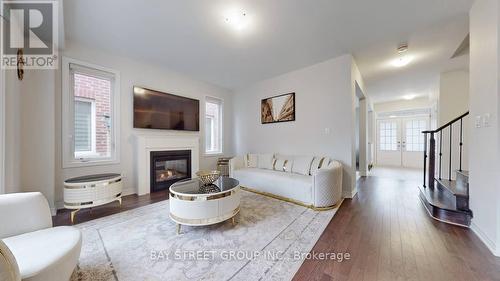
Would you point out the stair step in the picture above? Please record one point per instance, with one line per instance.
(443, 207)
(439, 199)
(456, 188)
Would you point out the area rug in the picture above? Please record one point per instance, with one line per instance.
(268, 242)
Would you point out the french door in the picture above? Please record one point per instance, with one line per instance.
(400, 141)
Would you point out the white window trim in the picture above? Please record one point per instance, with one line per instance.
(220, 101)
(69, 160)
(92, 152)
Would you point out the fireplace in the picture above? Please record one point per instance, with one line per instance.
(168, 167)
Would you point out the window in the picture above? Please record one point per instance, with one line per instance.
(388, 136)
(90, 114)
(213, 125)
(414, 136)
(84, 127)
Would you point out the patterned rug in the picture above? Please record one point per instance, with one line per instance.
(141, 244)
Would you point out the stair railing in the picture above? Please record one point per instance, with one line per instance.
(430, 151)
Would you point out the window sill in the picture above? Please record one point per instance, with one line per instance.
(79, 164)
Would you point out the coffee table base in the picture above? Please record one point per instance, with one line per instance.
(207, 221)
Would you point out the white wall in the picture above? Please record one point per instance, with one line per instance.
(484, 148)
(37, 139)
(135, 72)
(398, 105)
(324, 111)
(12, 132)
(2, 130)
(453, 95)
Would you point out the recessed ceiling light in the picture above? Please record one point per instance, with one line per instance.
(237, 19)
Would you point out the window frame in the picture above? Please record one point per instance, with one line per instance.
(68, 146)
(220, 102)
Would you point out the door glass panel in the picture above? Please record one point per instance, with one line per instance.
(388, 139)
(413, 135)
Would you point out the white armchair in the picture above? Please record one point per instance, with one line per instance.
(30, 248)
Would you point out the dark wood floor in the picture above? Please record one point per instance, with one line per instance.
(390, 237)
(128, 202)
(386, 231)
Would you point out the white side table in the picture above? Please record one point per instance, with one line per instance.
(192, 203)
(91, 191)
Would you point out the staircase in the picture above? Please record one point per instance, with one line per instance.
(446, 199)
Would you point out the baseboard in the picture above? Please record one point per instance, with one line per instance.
(491, 245)
(128, 191)
(351, 194)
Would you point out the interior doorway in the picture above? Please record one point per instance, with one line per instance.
(400, 142)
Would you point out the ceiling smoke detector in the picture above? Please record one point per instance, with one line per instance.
(403, 59)
(403, 47)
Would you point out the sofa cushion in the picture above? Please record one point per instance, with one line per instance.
(289, 185)
(265, 161)
(252, 160)
(37, 252)
(302, 165)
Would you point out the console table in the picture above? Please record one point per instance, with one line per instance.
(91, 191)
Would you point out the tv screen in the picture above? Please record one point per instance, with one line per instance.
(157, 110)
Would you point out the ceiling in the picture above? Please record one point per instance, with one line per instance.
(191, 37)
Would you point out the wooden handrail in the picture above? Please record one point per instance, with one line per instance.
(447, 124)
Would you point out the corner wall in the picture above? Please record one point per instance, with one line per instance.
(453, 95)
(484, 141)
(324, 112)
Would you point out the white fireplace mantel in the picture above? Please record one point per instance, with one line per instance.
(147, 143)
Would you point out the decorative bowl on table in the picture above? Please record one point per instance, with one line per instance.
(208, 177)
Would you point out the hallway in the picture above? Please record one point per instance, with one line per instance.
(389, 236)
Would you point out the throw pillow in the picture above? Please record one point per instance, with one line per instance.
(315, 164)
(279, 165)
(288, 166)
(252, 160)
(265, 161)
(302, 165)
(325, 162)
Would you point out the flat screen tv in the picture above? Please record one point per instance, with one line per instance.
(158, 110)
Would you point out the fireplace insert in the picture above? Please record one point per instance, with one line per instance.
(168, 167)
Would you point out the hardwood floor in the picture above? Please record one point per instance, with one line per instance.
(386, 231)
(390, 236)
(128, 202)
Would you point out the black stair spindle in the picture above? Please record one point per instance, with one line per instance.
(425, 155)
(440, 151)
(449, 169)
(432, 161)
(461, 144)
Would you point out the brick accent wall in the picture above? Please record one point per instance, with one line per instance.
(99, 91)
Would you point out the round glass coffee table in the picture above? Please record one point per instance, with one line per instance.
(193, 203)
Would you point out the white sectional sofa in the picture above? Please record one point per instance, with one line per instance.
(315, 182)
